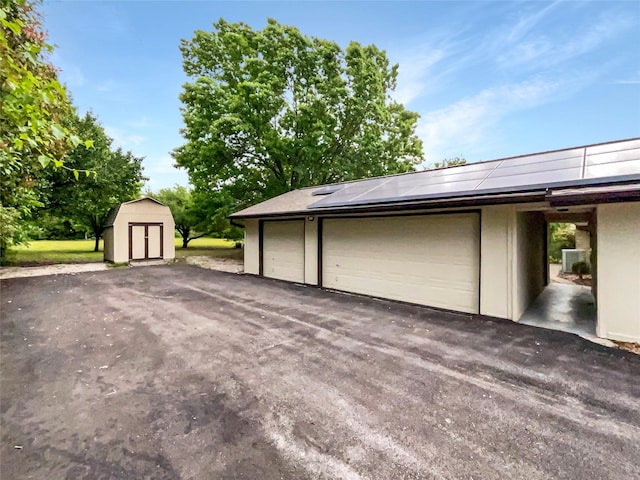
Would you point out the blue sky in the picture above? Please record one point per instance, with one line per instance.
(489, 79)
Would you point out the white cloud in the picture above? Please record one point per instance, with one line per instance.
(162, 164)
(457, 128)
(141, 123)
(630, 79)
(107, 86)
(162, 173)
(415, 73)
(528, 22)
(543, 51)
(123, 138)
(70, 74)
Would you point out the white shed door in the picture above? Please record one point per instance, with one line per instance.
(428, 259)
(138, 250)
(145, 241)
(154, 241)
(283, 250)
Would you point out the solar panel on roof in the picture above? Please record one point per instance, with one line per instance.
(619, 161)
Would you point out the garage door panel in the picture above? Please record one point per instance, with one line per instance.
(283, 250)
(437, 295)
(431, 260)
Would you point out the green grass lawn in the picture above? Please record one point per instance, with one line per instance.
(47, 252)
(209, 247)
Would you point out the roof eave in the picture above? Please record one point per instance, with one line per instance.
(474, 201)
(605, 195)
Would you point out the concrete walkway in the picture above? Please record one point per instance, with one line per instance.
(567, 308)
(221, 264)
(555, 269)
(72, 268)
(67, 268)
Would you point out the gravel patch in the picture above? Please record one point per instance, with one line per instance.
(70, 268)
(220, 264)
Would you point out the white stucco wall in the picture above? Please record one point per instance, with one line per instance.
(496, 252)
(251, 246)
(311, 251)
(529, 260)
(619, 271)
(583, 240)
(145, 211)
(108, 244)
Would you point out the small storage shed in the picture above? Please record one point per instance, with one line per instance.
(139, 230)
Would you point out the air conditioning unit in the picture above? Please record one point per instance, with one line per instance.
(571, 256)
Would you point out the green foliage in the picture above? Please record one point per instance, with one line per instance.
(34, 104)
(48, 226)
(185, 215)
(198, 214)
(86, 199)
(216, 206)
(581, 268)
(273, 110)
(561, 235)
(111, 265)
(449, 162)
(46, 252)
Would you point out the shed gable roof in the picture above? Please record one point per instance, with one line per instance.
(113, 214)
(591, 165)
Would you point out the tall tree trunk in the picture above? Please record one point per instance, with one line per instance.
(184, 231)
(97, 227)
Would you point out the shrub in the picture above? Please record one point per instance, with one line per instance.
(581, 268)
(561, 235)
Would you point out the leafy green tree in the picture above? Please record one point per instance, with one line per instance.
(561, 235)
(216, 206)
(34, 104)
(449, 162)
(273, 110)
(178, 199)
(195, 214)
(112, 176)
(185, 214)
(46, 225)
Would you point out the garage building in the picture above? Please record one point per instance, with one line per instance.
(141, 229)
(470, 238)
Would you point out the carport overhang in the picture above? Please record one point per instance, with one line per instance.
(597, 194)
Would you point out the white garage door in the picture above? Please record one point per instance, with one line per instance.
(283, 250)
(429, 259)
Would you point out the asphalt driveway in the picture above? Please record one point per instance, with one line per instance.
(175, 372)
